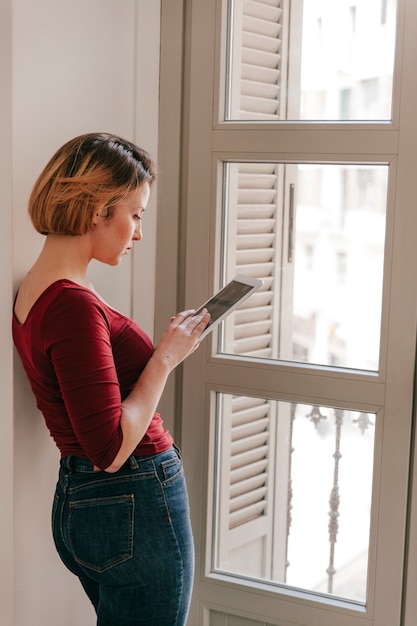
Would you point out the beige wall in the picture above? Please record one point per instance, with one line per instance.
(65, 68)
(6, 379)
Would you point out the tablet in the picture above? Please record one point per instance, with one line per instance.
(228, 299)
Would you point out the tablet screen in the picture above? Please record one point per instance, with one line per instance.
(226, 298)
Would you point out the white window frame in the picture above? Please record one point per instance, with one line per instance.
(397, 142)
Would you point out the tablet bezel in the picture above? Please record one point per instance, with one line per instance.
(253, 283)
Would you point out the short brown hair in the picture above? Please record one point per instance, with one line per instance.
(87, 173)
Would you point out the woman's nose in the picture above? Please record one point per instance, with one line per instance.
(137, 235)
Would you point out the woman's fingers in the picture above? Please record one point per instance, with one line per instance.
(181, 337)
(199, 321)
(180, 317)
(190, 319)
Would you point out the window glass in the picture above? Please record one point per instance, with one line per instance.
(315, 234)
(339, 67)
(293, 499)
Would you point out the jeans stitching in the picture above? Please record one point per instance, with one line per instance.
(108, 501)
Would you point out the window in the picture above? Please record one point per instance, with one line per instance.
(272, 212)
(309, 60)
(283, 387)
(294, 480)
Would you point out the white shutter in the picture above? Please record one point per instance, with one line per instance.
(256, 225)
(245, 515)
(260, 60)
(248, 459)
(246, 507)
(256, 193)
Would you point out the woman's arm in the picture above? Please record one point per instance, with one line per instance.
(177, 342)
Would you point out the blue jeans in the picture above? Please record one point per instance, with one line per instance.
(127, 536)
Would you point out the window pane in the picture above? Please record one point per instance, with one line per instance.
(294, 486)
(310, 60)
(315, 234)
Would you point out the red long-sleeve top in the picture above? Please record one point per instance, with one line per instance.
(82, 358)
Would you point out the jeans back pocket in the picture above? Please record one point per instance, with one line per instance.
(101, 531)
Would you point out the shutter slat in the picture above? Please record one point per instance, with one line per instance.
(269, 75)
(255, 226)
(256, 180)
(257, 300)
(256, 213)
(253, 469)
(257, 329)
(249, 443)
(261, 270)
(261, 105)
(255, 241)
(256, 414)
(262, 353)
(263, 350)
(246, 515)
(250, 429)
(255, 117)
(244, 486)
(260, 255)
(268, 11)
(248, 344)
(257, 168)
(261, 27)
(251, 195)
(260, 90)
(247, 499)
(240, 403)
(249, 456)
(260, 43)
(259, 58)
(247, 316)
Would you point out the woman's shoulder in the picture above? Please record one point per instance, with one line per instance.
(33, 299)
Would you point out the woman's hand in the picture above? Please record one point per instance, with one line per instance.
(181, 337)
(177, 342)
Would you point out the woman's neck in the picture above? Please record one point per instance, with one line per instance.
(64, 256)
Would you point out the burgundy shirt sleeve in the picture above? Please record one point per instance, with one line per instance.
(76, 335)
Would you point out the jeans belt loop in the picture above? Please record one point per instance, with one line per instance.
(133, 464)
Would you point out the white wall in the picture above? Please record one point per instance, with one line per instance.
(76, 67)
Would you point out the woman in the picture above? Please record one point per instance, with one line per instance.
(120, 514)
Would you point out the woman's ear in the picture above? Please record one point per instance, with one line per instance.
(102, 212)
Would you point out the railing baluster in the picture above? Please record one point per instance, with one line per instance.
(334, 501)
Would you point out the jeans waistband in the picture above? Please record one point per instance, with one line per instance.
(78, 464)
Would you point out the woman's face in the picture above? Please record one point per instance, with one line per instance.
(113, 236)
